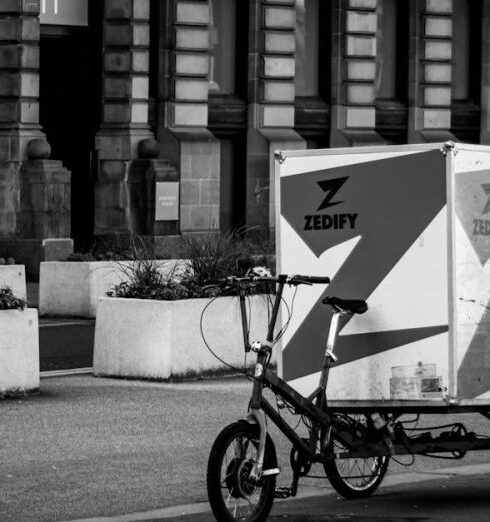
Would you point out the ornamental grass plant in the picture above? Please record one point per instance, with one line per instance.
(209, 257)
(145, 280)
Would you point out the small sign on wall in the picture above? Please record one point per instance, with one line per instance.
(167, 201)
(64, 12)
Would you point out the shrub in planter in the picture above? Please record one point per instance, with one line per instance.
(146, 281)
(8, 301)
(19, 345)
(209, 257)
(213, 256)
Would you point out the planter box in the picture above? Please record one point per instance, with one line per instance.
(19, 352)
(73, 288)
(161, 339)
(14, 276)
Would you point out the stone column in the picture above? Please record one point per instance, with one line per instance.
(183, 113)
(354, 51)
(271, 103)
(34, 191)
(124, 127)
(429, 115)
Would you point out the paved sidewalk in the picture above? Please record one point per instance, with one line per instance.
(104, 448)
(450, 494)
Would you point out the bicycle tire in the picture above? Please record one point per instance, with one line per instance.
(233, 485)
(348, 482)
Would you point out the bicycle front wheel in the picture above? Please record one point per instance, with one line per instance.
(231, 492)
(354, 477)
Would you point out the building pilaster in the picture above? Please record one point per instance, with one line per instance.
(430, 71)
(183, 113)
(354, 51)
(34, 191)
(271, 98)
(125, 100)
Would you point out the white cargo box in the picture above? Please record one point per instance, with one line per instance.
(407, 228)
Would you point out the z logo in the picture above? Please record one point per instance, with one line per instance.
(331, 186)
(486, 189)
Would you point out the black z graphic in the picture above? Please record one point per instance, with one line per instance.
(486, 188)
(331, 187)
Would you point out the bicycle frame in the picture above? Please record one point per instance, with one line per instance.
(314, 406)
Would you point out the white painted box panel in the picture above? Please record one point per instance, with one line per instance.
(406, 229)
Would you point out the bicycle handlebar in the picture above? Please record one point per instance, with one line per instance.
(284, 279)
(312, 280)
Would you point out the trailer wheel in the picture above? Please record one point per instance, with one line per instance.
(353, 477)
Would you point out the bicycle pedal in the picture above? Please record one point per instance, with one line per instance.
(282, 492)
(270, 472)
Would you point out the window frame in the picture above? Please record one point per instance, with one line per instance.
(312, 113)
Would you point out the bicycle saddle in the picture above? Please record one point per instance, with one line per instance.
(355, 306)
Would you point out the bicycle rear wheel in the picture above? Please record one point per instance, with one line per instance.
(354, 477)
(232, 495)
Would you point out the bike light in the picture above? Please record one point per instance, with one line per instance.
(256, 346)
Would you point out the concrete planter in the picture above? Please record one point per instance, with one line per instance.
(138, 338)
(19, 352)
(73, 288)
(14, 276)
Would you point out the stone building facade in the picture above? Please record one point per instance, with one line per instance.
(160, 117)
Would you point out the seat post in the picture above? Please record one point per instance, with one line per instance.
(329, 355)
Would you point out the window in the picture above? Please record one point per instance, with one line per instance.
(307, 47)
(68, 12)
(466, 70)
(232, 183)
(227, 191)
(392, 70)
(222, 46)
(391, 73)
(313, 83)
(466, 50)
(228, 70)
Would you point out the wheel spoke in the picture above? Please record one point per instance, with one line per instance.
(249, 506)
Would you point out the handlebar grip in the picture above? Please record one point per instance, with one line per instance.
(214, 282)
(311, 279)
(320, 280)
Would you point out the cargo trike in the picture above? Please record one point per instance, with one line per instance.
(354, 441)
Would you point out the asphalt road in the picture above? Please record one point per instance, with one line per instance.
(90, 447)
